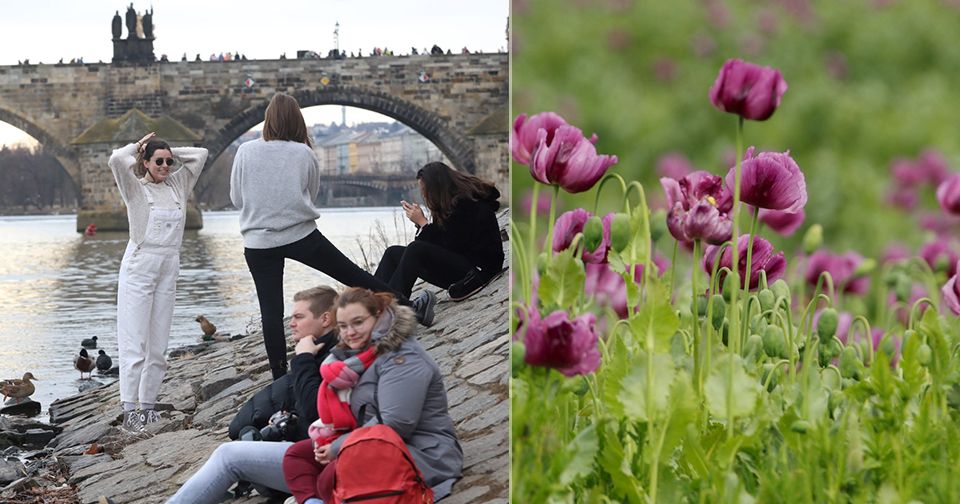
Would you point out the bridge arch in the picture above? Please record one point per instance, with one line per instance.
(455, 146)
(51, 144)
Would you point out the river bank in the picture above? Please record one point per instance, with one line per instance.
(206, 384)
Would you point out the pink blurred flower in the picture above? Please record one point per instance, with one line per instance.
(841, 268)
(665, 69)
(674, 165)
(895, 252)
(905, 173)
(933, 166)
(941, 255)
(568, 159)
(762, 259)
(951, 294)
(748, 90)
(699, 208)
(948, 195)
(940, 223)
(543, 203)
(783, 223)
(524, 135)
(608, 288)
(572, 222)
(904, 197)
(569, 346)
(771, 180)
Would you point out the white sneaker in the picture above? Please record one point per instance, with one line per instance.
(150, 416)
(133, 421)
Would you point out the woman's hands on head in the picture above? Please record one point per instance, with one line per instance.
(414, 213)
(142, 143)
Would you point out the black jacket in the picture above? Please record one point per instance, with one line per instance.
(294, 391)
(471, 231)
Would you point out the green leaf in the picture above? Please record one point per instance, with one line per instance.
(615, 462)
(611, 374)
(743, 390)
(656, 317)
(634, 392)
(683, 413)
(640, 245)
(563, 282)
(580, 453)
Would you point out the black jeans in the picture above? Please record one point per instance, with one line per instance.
(266, 266)
(400, 266)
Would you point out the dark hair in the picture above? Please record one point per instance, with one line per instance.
(153, 145)
(443, 187)
(284, 121)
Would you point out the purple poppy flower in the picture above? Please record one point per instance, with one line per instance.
(525, 130)
(568, 160)
(905, 173)
(750, 91)
(762, 259)
(674, 165)
(951, 294)
(608, 288)
(933, 166)
(569, 346)
(895, 253)
(771, 180)
(543, 204)
(904, 197)
(941, 255)
(783, 223)
(940, 223)
(948, 194)
(699, 208)
(572, 222)
(841, 268)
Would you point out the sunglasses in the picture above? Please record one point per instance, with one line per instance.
(160, 161)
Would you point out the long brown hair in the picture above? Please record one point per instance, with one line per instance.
(284, 121)
(443, 187)
(153, 145)
(374, 302)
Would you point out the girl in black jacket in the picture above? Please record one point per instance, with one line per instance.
(461, 250)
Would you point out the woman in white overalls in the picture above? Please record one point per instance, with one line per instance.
(156, 202)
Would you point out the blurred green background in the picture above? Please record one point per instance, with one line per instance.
(869, 81)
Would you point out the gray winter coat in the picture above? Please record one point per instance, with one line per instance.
(405, 385)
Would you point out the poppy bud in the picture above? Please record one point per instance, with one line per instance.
(781, 290)
(924, 354)
(767, 298)
(593, 233)
(719, 311)
(813, 238)
(827, 324)
(620, 232)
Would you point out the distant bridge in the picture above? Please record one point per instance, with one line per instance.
(79, 113)
(384, 189)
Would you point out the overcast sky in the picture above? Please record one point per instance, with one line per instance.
(47, 30)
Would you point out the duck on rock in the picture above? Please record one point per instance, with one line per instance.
(104, 362)
(18, 388)
(84, 363)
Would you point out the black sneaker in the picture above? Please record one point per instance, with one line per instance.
(469, 285)
(422, 304)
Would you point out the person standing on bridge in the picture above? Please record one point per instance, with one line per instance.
(156, 199)
(461, 250)
(274, 184)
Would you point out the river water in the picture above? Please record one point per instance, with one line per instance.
(58, 287)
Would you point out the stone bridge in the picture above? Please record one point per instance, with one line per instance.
(80, 113)
(387, 189)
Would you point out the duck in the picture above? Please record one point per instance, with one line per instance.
(208, 328)
(89, 342)
(84, 363)
(18, 388)
(104, 362)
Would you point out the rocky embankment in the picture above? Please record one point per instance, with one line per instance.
(206, 384)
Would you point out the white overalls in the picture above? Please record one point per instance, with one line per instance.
(145, 298)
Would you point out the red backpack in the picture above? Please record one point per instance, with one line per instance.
(375, 466)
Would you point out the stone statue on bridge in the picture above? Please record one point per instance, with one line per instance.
(131, 22)
(148, 24)
(117, 26)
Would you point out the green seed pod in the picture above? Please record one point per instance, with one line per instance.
(725, 333)
(903, 289)
(730, 283)
(767, 298)
(827, 324)
(866, 267)
(829, 350)
(813, 238)
(888, 346)
(517, 352)
(593, 233)
(701, 306)
(781, 290)
(754, 346)
(774, 343)
(924, 354)
(800, 426)
(620, 232)
(719, 311)
(658, 225)
(758, 324)
(850, 363)
(543, 260)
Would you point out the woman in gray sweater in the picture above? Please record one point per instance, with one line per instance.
(274, 183)
(156, 199)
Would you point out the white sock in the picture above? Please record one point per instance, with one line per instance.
(129, 406)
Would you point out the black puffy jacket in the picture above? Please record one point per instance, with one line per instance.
(294, 391)
(472, 231)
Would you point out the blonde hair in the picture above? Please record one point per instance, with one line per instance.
(323, 299)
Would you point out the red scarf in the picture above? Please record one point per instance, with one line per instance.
(333, 398)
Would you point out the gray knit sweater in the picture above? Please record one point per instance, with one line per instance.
(177, 186)
(274, 185)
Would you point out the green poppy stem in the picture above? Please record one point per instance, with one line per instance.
(532, 251)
